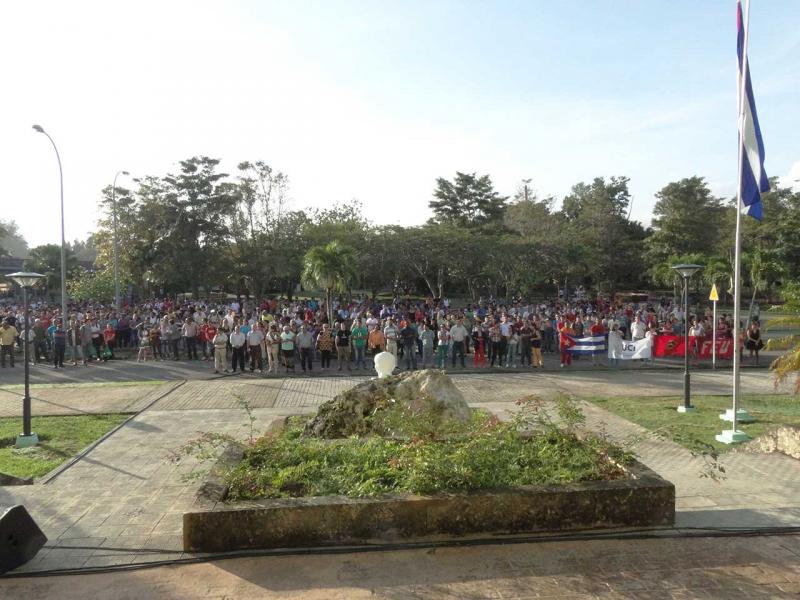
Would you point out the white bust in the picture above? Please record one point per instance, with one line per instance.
(385, 363)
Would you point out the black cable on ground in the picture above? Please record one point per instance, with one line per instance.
(634, 534)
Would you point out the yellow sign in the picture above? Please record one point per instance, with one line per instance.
(714, 295)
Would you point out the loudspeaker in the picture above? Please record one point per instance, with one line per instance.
(20, 537)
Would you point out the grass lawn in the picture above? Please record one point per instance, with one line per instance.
(60, 438)
(658, 413)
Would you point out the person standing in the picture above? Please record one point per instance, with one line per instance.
(443, 347)
(376, 340)
(458, 337)
(305, 343)
(537, 339)
(273, 343)
(427, 337)
(343, 345)
(614, 345)
(391, 333)
(566, 340)
(86, 342)
(59, 346)
(74, 341)
(359, 334)
(325, 343)
(8, 333)
(189, 332)
(753, 341)
(255, 337)
(154, 337)
(525, 337)
(287, 348)
(207, 333)
(597, 330)
(409, 337)
(109, 337)
(237, 341)
(495, 339)
(220, 343)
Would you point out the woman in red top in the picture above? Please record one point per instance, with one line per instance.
(109, 335)
(565, 337)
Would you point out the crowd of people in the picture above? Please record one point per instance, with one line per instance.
(276, 335)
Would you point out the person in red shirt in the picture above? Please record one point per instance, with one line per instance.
(109, 335)
(207, 334)
(565, 335)
(597, 329)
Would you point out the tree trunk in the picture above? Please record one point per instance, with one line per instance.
(329, 302)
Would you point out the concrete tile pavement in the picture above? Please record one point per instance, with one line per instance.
(123, 502)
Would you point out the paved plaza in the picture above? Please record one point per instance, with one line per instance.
(122, 503)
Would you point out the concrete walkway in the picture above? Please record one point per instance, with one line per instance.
(122, 503)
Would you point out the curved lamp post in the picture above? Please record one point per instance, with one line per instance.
(686, 271)
(26, 280)
(116, 239)
(63, 241)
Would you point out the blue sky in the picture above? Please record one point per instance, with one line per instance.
(374, 100)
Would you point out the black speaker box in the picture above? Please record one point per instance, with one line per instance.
(20, 537)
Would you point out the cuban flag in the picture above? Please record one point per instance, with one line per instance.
(754, 178)
(595, 344)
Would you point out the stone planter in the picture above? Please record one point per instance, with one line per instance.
(643, 499)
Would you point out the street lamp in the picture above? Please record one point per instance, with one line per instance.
(686, 271)
(63, 240)
(116, 240)
(25, 281)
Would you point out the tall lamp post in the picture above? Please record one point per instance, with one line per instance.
(686, 271)
(27, 438)
(63, 240)
(116, 239)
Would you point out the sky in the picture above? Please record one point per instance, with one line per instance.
(371, 101)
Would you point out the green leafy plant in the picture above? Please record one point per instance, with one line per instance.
(483, 453)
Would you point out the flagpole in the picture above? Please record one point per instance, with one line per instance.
(737, 268)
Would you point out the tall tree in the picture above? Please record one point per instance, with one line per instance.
(599, 236)
(687, 219)
(468, 200)
(11, 241)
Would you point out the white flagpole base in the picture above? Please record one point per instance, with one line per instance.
(741, 415)
(684, 409)
(729, 436)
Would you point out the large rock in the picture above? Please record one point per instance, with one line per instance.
(428, 392)
(784, 439)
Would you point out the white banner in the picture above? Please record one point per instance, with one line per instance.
(631, 350)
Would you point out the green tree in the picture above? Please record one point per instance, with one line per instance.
(603, 248)
(468, 200)
(11, 241)
(687, 219)
(92, 285)
(788, 364)
(331, 267)
(46, 260)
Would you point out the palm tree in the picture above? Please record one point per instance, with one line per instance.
(788, 363)
(719, 271)
(331, 267)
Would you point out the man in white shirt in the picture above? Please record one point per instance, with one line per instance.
(638, 329)
(391, 333)
(189, 333)
(458, 337)
(238, 340)
(220, 342)
(255, 337)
